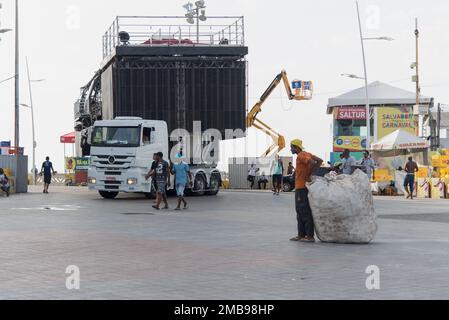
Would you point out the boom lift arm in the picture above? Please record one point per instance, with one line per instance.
(302, 93)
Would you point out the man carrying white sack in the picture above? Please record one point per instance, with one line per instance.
(306, 164)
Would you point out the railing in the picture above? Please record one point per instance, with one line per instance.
(174, 31)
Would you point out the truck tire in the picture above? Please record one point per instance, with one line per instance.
(108, 194)
(199, 186)
(214, 185)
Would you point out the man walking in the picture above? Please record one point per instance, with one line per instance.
(47, 170)
(306, 164)
(409, 184)
(153, 181)
(162, 176)
(181, 171)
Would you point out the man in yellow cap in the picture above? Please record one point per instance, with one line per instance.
(306, 164)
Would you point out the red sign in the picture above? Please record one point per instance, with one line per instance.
(351, 114)
(68, 138)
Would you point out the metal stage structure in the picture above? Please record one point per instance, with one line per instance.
(155, 68)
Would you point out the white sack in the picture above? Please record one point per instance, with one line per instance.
(343, 208)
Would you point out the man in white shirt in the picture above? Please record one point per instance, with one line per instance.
(252, 172)
(348, 163)
(368, 164)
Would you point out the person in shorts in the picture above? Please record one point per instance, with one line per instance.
(153, 181)
(46, 171)
(182, 173)
(161, 174)
(411, 168)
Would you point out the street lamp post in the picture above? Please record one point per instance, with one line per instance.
(368, 111)
(31, 106)
(367, 102)
(17, 84)
(195, 13)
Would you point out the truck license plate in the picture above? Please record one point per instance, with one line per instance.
(110, 179)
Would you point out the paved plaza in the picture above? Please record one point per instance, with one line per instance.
(233, 246)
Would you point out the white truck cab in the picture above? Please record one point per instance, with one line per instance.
(122, 154)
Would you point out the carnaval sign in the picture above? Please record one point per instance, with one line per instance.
(390, 119)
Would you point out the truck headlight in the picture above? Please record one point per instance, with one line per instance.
(91, 180)
(131, 181)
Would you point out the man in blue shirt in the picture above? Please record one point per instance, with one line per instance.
(181, 171)
(47, 170)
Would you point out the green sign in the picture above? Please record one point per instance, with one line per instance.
(82, 163)
(76, 164)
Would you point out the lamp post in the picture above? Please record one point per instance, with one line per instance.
(195, 13)
(17, 83)
(416, 79)
(31, 106)
(367, 102)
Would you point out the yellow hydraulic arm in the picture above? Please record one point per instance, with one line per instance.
(303, 92)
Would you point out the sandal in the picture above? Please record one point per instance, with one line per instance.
(308, 240)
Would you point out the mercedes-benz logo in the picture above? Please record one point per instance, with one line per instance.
(111, 159)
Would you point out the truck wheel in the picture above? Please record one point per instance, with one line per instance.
(199, 187)
(214, 186)
(108, 194)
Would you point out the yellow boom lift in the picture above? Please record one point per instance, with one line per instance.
(302, 90)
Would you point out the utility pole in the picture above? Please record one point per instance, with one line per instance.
(17, 83)
(367, 101)
(32, 123)
(418, 87)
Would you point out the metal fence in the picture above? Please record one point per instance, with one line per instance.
(17, 167)
(174, 31)
(238, 171)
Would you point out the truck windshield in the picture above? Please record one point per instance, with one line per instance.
(116, 137)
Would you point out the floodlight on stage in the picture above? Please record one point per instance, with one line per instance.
(203, 17)
(191, 20)
(200, 4)
(188, 6)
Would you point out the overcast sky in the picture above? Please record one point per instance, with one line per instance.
(313, 40)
